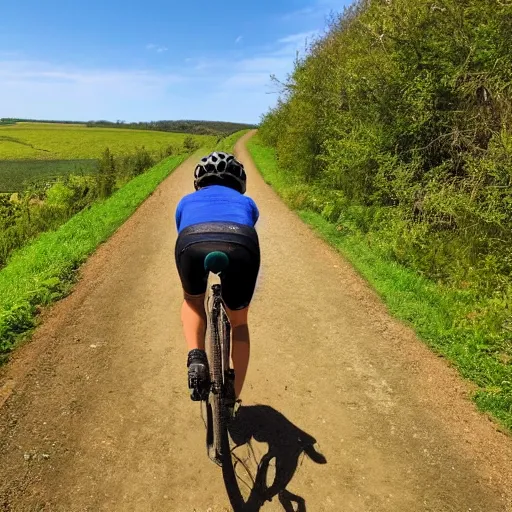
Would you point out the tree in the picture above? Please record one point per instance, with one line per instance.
(107, 173)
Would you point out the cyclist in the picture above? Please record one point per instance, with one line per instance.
(217, 217)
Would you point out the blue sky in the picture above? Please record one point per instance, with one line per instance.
(141, 61)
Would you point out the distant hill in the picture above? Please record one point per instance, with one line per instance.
(220, 128)
(14, 120)
(185, 126)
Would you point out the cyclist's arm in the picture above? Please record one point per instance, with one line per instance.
(178, 215)
(255, 211)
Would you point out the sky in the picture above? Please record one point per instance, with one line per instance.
(141, 61)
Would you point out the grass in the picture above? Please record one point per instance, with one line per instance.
(44, 270)
(439, 315)
(227, 144)
(16, 174)
(64, 142)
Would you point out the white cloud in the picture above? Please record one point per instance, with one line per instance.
(203, 64)
(300, 38)
(258, 64)
(317, 10)
(246, 80)
(228, 88)
(156, 47)
(306, 11)
(252, 75)
(9, 54)
(20, 72)
(47, 91)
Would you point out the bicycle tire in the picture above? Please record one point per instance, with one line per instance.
(218, 364)
(228, 377)
(222, 385)
(224, 454)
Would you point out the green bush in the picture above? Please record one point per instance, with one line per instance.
(472, 329)
(43, 271)
(403, 109)
(396, 128)
(59, 195)
(44, 206)
(190, 144)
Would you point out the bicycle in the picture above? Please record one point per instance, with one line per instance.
(220, 401)
(221, 397)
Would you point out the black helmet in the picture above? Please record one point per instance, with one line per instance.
(221, 169)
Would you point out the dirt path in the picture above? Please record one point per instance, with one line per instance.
(96, 417)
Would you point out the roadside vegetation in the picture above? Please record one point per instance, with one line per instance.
(47, 204)
(40, 195)
(44, 270)
(393, 137)
(57, 212)
(18, 175)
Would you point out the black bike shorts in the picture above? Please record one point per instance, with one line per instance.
(238, 241)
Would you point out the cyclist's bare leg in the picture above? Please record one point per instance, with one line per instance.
(193, 319)
(241, 346)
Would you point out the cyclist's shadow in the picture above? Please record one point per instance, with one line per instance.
(286, 443)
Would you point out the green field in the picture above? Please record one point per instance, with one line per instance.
(30, 152)
(26, 141)
(15, 175)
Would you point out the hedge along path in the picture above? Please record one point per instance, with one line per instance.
(444, 317)
(104, 418)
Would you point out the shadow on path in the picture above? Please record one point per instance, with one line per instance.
(262, 477)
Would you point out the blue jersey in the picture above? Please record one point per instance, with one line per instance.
(216, 203)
